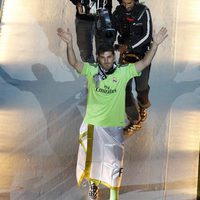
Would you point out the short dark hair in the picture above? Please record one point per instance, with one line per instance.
(105, 47)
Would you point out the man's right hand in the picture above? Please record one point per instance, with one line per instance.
(66, 36)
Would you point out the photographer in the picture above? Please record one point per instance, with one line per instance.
(132, 21)
(86, 16)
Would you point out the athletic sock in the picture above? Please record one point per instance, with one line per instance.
(114, 194)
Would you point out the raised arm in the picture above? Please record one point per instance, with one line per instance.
(157, 40)
(66, 36)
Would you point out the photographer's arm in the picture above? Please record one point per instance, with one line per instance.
(157, 40)
(146, 35)
(66, 36)
(115, 18)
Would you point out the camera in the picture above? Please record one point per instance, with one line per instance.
(104, 25)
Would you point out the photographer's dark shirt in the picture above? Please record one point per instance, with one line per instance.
(134, 27)
(90, 17)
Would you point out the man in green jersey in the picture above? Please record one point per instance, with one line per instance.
(101, 149)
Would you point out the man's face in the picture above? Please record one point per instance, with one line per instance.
(106, 59)
(128, 4)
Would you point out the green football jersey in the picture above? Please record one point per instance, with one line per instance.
(106, 102)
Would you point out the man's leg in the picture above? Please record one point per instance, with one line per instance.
(131, 110)
(131, 106)
(142, 88)
(85, 34)
(114, 194)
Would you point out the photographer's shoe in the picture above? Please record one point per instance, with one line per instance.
(93, 192)
(143, 113)
(132, 126)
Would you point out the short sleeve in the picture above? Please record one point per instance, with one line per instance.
(131, 71)
(89, 69)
